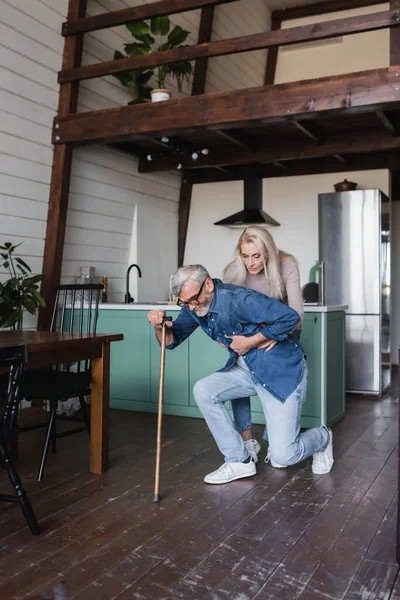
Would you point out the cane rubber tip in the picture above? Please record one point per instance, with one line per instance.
(156, 498)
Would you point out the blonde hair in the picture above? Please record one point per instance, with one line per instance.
(236, 271)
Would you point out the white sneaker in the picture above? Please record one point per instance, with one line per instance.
(253, 448)
(269, 460)
(231, 471)
(323, 461)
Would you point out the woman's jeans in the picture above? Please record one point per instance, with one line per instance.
(287, 445)
(241, 409)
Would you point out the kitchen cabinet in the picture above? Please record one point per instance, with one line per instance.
(135, 365)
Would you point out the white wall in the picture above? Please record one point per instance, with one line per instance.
(293, 200)
(239, 70)
(295, 207)
(346, 54)
(105, 186)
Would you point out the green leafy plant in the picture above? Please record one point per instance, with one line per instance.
(182, 72)
(155, 35)
(20, 292)
(136, 81)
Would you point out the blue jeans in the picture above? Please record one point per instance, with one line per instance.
(287, 445)
(241, 408)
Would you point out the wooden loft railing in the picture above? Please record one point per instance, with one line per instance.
(247, 43)
(137, 13)
(372, 90)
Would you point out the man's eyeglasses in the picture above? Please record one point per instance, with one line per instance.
(194, 299)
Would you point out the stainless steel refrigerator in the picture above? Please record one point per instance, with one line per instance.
(354, 254)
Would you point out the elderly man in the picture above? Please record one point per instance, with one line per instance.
(265, 359)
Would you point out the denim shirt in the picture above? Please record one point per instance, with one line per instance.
(236, 310)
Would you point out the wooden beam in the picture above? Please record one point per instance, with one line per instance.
(345, 143)
(60, 175)
(395, 37)
(235, 137)
(138, 13)
(198, 88)
(394, 172)
(390, 121)
(247, 43)
(322, 8)
(183, 217)
(304, 167)
(272, 57)
(341, 159)
(311, 130)
(340, 94)
(204, 37)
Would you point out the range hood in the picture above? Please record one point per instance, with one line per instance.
(252, 214)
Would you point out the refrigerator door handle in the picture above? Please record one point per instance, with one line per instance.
(322, 280)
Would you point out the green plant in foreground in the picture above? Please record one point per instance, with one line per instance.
(20, 292)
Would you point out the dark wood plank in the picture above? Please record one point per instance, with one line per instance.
(247, 43)
(99, 413)
(283, 531)
(293, 168)
(79, 521)
(370, 91)
(60, 174)
(299, 565)
(149, 527)
(272, 56)
(185, 198)
(322, 8)
(145, 11)
(373, 580)
(352, 142)
(194, 543)
(333, 577)
(198, 88)
(204, 37)
(242, 563)
(313, 131)
(235, 137)
(395, 593)
(390, 121)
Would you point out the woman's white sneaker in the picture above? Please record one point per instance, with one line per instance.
(231, 471)
(253, 448)
(323, 461)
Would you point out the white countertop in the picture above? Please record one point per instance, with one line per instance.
(167, 307)
(318, 308)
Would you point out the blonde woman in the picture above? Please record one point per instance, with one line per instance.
(260, 266)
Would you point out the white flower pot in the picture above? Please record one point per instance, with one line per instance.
(160, 95)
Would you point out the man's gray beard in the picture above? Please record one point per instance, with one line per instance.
(204, 309)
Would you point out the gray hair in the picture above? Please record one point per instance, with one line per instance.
(193, 272)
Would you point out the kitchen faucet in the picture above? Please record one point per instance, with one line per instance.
(128, 297)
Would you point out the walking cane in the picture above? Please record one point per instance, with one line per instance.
(157, 497)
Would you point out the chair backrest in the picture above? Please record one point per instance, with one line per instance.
(13, 358)
(76, 308)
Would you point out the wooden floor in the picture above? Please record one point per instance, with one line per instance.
(283, 534)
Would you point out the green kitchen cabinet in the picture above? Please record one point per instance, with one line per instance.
(130, 362)
(176, 375)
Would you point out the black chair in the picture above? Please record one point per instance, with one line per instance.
(13, 357)
(75, 310)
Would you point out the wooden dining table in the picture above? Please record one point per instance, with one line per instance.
(50, 348)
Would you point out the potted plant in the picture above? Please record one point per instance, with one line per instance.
(155, 35)
(18, 293)
(136, 81)
(182, 72)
